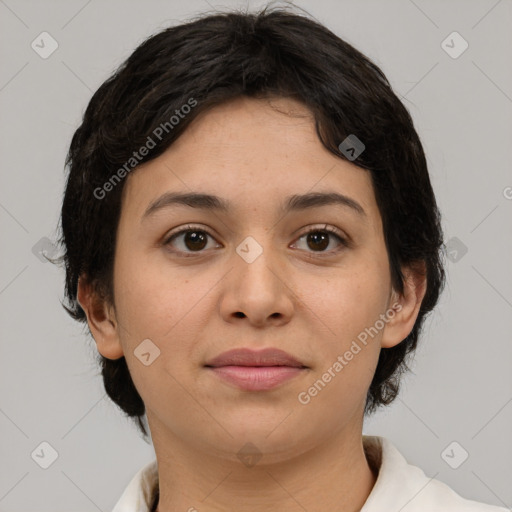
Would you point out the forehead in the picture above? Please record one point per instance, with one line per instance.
(254, 153)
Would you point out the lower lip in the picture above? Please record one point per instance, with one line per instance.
(256, 378)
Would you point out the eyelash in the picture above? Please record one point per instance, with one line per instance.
(327, 229)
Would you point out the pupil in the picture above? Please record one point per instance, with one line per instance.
(318, 236)
(195, 240)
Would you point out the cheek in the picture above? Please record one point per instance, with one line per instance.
(163, 306)
(350, 300)
(346, 310)
(160, 301)
(147, 303)
(347, 350)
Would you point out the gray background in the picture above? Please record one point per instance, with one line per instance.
(461, 385)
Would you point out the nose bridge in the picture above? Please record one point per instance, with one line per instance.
(257, 289)
(258, 258)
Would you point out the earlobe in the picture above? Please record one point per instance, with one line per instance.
(406, 306)
(101, 320)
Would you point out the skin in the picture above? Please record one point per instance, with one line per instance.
(310, 302)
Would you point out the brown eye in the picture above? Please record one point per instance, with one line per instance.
(188, 240)
(195, 240)
(319, 239)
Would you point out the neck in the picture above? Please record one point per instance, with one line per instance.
(334, 476)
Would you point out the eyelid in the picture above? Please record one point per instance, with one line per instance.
(324, 227)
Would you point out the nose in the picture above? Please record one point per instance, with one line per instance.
(258, 288)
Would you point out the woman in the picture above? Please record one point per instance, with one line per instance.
(251, 234)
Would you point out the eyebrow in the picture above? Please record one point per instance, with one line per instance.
(214, 203)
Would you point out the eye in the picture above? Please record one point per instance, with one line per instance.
(319, 238)
(193, 239)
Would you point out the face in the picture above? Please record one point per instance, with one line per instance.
(198, 281)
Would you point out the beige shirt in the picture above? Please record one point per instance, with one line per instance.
(399, 486)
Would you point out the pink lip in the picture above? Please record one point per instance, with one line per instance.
(255, 370)
(256, 378)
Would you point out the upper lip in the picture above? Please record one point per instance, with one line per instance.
(248, 357)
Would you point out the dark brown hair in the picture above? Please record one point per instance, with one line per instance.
(218, 57)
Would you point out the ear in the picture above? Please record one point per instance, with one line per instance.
(406, 306)
(101, 320)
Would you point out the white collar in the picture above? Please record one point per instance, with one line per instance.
(400, 486)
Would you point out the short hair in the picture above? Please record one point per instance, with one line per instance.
(210, 60)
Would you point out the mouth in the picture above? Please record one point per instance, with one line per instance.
(251, 370)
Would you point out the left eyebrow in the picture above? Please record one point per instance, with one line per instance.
(214, 203)
(318, 199)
